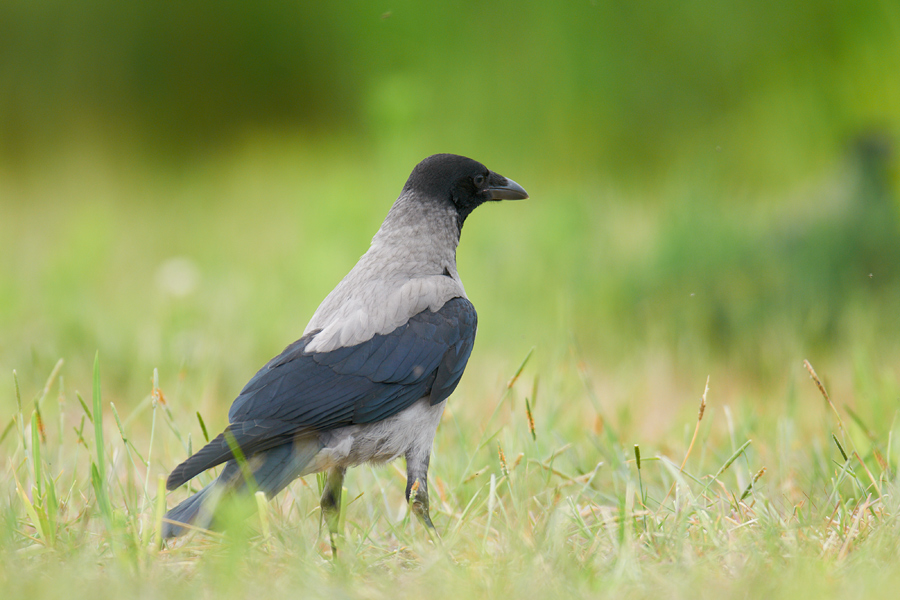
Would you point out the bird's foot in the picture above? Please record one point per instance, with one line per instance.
(333, 538)
(331, 504)
(418, 505)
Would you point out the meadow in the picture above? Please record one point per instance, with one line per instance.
(686, 377)
(583, 454)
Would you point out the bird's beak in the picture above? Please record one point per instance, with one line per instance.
(502, 188)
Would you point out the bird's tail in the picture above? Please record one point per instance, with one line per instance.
(188, 512)
(272, 471)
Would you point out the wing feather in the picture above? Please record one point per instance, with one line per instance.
(298, 392)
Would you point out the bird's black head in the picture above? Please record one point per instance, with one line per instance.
(462, 181)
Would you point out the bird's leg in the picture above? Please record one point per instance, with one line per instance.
(417, 489)
(331, 504)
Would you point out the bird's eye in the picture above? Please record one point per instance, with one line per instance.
(478, 180)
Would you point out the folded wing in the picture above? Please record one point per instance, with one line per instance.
(299, 393)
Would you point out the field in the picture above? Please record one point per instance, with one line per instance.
(687, 372)
(537, 488)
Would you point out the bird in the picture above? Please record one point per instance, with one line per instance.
(368, 380)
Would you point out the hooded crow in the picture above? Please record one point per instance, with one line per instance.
(369, 378)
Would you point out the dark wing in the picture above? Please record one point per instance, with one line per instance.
(298, 392)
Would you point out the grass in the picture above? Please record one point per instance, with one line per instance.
(171, 214)
(575, 458)
(530, 501)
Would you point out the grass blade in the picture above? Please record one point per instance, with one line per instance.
(36, 456)
(203, 427)
(160, 510)
(98, 467)
(98, 421)
(723, 468)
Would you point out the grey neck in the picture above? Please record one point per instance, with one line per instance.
(422, 234)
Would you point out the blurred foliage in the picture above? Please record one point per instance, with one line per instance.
(712, 182)
(621, 89)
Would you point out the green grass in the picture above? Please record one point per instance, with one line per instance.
(187, 281)
(714, 194)
(537, 491)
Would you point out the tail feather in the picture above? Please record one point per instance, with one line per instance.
(251, 436)
(272, 470)
(188, 512)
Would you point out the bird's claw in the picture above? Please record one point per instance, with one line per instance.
(418, 505)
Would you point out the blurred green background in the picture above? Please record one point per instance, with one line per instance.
(714, 185)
